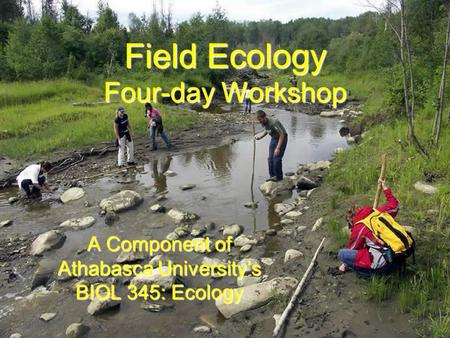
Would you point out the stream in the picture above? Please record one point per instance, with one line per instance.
(222, 177)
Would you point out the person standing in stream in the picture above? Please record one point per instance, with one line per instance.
(155, 124)
(122, 129)
(278, 144)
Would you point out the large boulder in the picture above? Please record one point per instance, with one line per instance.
(243, 240)
(272, 189)
(180, 216)
(101, 304)
(158, 277)
(130, 256)
(124, 200)
(256, 295)
(43, 273)
(76, 330)
(232, 230)
(78, 223)
(284, 208)
(47, 241)
(332, 113)
(304, 183)
(319, 165)
(72, 194)
(425, 188)
(292, 254)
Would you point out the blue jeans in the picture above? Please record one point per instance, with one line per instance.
(276, 162)
(162, 134)
(348, 256)
(30, 189)
(248, 105)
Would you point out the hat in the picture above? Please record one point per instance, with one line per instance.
(120, 109)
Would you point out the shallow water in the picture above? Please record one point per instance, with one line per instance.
(222, 176)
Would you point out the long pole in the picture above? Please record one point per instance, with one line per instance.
(297, 292)
(253, 165)
(382, 176)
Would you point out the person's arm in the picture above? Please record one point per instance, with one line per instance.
(261, 135)
(129, 127)
(280, 143)
(357, 236)
(391, 205)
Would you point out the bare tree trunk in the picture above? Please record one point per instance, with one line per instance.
(439, 112)
(406, 60)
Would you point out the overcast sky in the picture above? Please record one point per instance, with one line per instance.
(239, 10)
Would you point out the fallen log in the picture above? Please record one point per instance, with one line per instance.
(299, 289)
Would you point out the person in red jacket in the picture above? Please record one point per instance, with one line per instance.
(364, 253)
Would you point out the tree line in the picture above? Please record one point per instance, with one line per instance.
(61, 41)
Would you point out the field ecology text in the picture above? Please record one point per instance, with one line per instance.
(301, 61)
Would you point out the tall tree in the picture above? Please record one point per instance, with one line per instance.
(48, 8)
(441, 98)
(10, 10)
(405, 63)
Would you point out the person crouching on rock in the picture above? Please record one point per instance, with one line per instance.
(155, 124)
(122, 129)
(32, 180)
(278, 143)
(364, 253)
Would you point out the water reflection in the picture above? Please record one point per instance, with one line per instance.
(317, 130)
(223, 174)
(159, 167)
(217, 160)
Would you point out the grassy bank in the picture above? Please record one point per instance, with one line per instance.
(37, 118)
(425, 290)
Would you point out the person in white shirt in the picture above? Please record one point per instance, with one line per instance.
(32, 180)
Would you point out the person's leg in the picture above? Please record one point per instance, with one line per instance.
(26, 186)
(130, 151)
(35, 191)
(270, 159)
(278, 161)
(121, 153)
(348, 257)
(153, 136)
(249, 106)
(165, 138)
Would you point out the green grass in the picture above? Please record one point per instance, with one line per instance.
(37, 118)
(364, 86)
(425, 291)
(336, 230)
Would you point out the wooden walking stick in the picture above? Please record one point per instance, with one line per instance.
(382, 177)
(297, 292)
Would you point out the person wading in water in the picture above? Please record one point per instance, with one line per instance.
(277, 146)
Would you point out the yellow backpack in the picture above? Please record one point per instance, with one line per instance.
(388, 231)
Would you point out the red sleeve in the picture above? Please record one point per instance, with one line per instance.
(357, 241)
(391, 205)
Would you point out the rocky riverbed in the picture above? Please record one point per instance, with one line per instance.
(189, 195)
